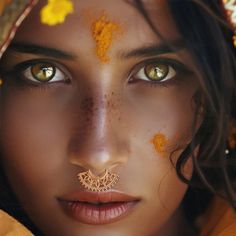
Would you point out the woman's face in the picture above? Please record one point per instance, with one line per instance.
(126, 113)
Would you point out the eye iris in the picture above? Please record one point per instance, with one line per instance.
(43, 72)
(156, 71)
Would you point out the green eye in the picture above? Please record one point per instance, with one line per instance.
(43, 72)
(157, 71)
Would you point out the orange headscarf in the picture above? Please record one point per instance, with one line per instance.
(10, 227)
(220, 219)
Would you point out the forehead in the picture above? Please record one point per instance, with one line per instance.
(77, 25)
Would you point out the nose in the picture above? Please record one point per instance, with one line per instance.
(100, 144)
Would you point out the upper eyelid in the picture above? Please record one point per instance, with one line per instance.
(172, 62)
(26, 64)
(160, 59)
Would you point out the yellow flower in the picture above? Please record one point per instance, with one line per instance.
(56, 11)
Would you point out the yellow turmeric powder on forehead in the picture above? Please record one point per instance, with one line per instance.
(103, 32)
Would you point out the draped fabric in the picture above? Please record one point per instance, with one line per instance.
(12, 13)
(10, 227)
(220, 220)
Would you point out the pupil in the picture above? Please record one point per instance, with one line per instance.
(159, 72)
(43, 72)
(156, 72)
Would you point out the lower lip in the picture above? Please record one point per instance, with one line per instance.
(98, 214)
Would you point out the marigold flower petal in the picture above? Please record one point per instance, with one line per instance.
(56, 11)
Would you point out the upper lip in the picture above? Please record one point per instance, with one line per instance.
(97, 197)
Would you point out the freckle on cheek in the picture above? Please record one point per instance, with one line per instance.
(160, 143)
(104, 32)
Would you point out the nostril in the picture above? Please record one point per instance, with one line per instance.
(97, 162)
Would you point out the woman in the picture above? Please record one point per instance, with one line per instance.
(111, 110)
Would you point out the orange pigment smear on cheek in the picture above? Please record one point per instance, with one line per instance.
(104, 32)
(160, 143)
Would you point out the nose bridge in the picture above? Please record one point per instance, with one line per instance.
(102, 146)
(103, 150)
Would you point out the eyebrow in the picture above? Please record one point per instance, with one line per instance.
(152, 50)
(41, 50)
(155, 49)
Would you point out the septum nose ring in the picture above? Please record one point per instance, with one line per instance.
(98, 183)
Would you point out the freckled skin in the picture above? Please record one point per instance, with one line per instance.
(87, 106)
(98, 121)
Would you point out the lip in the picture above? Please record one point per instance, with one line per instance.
(98, 208)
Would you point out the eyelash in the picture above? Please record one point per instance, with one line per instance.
(25, 67)
(180, 69)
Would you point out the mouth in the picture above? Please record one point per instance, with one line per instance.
(98, 207)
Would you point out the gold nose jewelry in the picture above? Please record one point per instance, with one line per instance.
(99, 183)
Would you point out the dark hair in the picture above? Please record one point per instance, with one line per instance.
(209, 41)
(208, 38)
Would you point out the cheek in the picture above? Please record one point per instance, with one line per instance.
(170, 190)
(34, 136)
(161, 117)
(156, 181)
